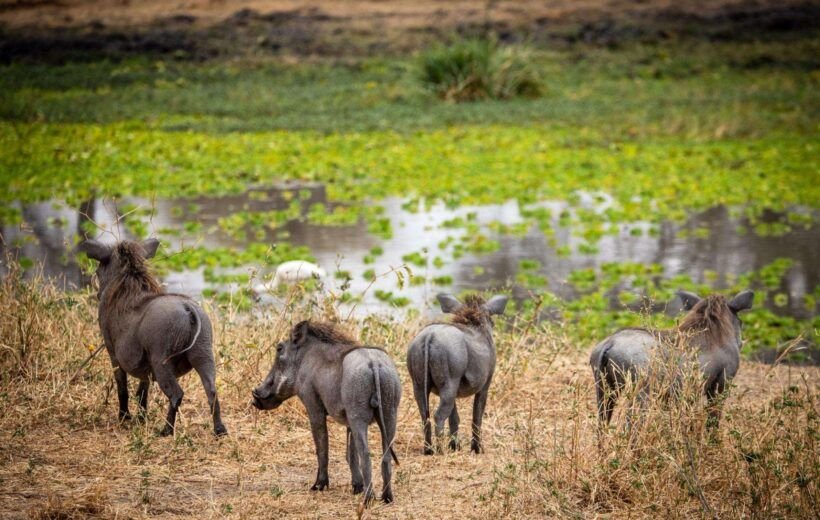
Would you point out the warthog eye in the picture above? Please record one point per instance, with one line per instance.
(279, 348)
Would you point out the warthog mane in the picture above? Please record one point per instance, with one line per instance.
(472, 313)
(134, 279)
(712, 317)
(326, 332)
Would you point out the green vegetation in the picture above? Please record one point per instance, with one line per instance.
(658, 131)
(470, 70)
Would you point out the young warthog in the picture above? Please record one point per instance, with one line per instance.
(711, 330)
(353, 384)
(149, 333)
(452, 360)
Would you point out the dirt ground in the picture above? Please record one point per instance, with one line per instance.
(201, 29)
(68, 456)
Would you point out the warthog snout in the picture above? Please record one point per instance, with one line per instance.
(263, 400)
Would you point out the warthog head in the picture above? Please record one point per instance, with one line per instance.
(474, 311)
(280, 383)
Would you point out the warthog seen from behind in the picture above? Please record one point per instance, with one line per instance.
(711, 330)
(453, 360)
(353, 384)
(150, 334)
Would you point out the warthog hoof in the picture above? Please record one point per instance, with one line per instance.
(166, 431)
(357, 488)
(475, 447)
(220, 431)
(454, 445)
(428, 450)
(320, 484)
(369, 497)
(387, 496)
(124, 415)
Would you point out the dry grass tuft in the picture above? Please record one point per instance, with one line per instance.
(64, 455)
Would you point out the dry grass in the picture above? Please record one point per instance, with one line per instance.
(63, 454)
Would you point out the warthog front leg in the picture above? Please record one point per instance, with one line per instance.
(142, 397)
(353, 462)
(714, 400)
(454, 422)
(318, 427)
(122, 393)
(479, 403)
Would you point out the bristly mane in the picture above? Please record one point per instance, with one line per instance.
(134, 281)
(327, 332)
(472, 312)
(710, 316)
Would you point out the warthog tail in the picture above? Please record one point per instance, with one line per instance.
(376, 402)
(192, 311)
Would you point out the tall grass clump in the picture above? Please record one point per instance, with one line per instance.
(475, 69)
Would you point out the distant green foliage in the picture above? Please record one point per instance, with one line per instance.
(475, 69)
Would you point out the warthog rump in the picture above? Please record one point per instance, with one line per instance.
(710, 331)
(150, 334)
(354, 384)
(455, 360)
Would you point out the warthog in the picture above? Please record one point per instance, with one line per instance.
(452, 360)
(335, 376)
(711, 331)
(150, 334)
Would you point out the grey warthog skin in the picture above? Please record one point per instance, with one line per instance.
(710, 330)
(150, 334)
(455, 360)
(352, 384)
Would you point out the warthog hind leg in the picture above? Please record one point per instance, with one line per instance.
(446, 405)
(358, 429)
(207, 374)
(353, 462)
(422, 396)
(167, 381)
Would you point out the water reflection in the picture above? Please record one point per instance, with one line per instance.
(49, 231)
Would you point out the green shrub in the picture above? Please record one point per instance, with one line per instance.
(470, 70)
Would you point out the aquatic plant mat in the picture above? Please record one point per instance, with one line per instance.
(64, 455)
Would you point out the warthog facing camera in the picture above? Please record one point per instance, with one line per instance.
(353, 384)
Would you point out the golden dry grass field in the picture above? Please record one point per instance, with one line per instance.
(64, 455)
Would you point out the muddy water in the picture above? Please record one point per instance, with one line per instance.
(49, 230)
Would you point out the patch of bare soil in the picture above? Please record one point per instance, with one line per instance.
(201, 29)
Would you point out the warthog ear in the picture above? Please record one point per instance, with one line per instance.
(299, 333)
(497, 304)
(688, 299)
(95, 249)
(150, 247)
(448, 302)
(742, 301)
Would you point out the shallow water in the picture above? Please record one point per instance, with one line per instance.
(49, 230)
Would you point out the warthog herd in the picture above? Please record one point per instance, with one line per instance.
(153, 335)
